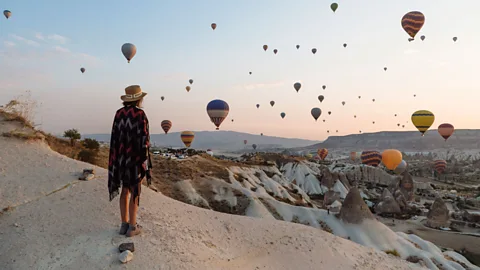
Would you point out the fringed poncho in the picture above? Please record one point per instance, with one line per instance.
(129, 151)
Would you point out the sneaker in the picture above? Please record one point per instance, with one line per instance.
(124, 228)
(134, 230)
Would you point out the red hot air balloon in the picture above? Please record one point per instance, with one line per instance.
(214, 26)
(322, 153)
(440, 165)
(166, 125)
(446, 130)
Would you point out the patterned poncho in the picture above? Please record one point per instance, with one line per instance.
(129, 151)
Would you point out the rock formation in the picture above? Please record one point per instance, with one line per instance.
(330, 197)
(354, 209)
(439, 215)
(388, 205)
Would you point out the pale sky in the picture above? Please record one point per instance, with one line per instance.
(45, 43)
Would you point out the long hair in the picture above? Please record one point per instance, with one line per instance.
(137, 103)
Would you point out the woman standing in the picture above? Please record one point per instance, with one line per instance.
(129, 160)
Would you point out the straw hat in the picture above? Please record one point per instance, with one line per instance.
(133, 93)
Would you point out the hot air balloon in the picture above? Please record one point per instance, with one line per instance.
(371, 158)
(385, 68)
(190, 81)
(412, 22)
(245, 141)
(324, 120)
(334, 6)
(336, 130)
(297, 86)
(454, 39)
(250, 72)
(403, 126)
(373, 122)
(423, 120)
(353, 156)
(316, 112)
(322, 153)
(359, 131)
(329, 112)
(166, 125)
(354, 116)
(214, 26)
(217, 110)
(373, 100)
(395, 115)
(422, 38)
(398, 124)
(232, 120)
(391, 158)
(7, 13)
(440, 165)
(359, 97)
(187, 137)
(343, 103)
(258, 106)
(298, 47)
(446, 130)
(275, 51)
(414, 95)
(265, 47)
(82, 70)
(344, 45)
(272, 103)
(261, 134)
(324, 87)
(410, 39)
(401, 167)
(129, 50)
(314, 51)
(254, 146)
(188, 88)
(282, 115)
(321, 98)
(162, 98)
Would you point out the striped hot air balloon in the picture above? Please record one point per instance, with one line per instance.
(166, 125)
(412, 22)
(371, 158)
(187, 137)
(423, 120)
(446, 130)
(217, 111)
(440, 165)
(322, 153)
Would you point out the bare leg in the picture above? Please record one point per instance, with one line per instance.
(133, 207)
(124, 204)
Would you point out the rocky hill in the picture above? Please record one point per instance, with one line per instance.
(219, 140)
(462, 139)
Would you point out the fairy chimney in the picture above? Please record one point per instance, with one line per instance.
(354, 209)
(439, 215)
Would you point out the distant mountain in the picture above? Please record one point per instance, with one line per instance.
(219, 140)
(462, 139)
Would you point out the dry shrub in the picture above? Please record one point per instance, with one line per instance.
(21, 108)
(88, 156)
(29, 136)
(393, 252)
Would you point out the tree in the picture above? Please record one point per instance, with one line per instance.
(91, 144)
(73, 135)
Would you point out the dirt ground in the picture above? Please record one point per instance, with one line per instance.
(444, 239)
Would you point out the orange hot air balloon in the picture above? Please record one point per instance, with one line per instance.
(322, 153)
(265, 47)
(353, 156)
(214, 26)
(391, 158)
(446, 130)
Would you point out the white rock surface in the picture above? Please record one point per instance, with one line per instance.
(125, 256)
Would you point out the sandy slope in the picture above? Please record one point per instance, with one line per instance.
(76, 227)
